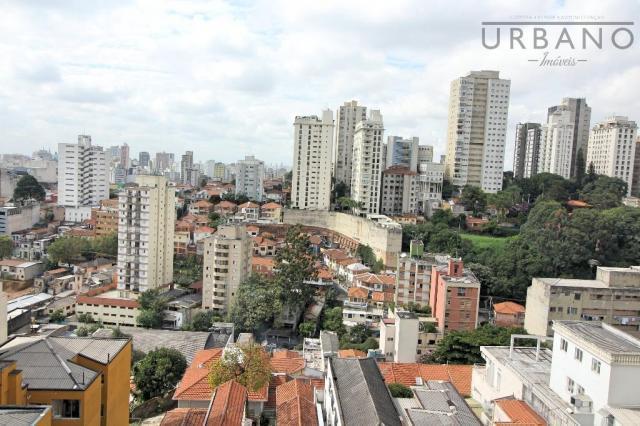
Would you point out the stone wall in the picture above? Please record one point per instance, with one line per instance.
(385, 241)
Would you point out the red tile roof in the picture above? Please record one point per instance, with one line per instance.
(287, 365)
(508, 308)
(520, 413)
(336, 254)
(203, 203)
(184, 417)
(275, 381)
(102, 301)
(351, 353)
(249, 205)
(195, 381)
(228, 405)
(271, 206)
(406, 373)
(226, 205)
(358, 292)
(381, 296)
(295, 404)
(370, 278)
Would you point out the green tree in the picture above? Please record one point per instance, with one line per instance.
(367, 256)
(398, 390)
(581, 165)
(463, 347)
(152, 307)
(605, 192)
(248, 365)
(474, 199)
(447, 189)
(85, 318)
(6, 246)
(295, 263)
(215, 220)
(67, 249)
(257, 303)
(57, 316)
(28, 188)
(307, 328)
(158, 372)
(203, 320)
(106, 245)
(359, 333)
(332, 321)
(82, 332)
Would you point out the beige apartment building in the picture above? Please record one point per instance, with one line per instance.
(227, 263)
(145, 234)
(613, 297)
(367, 163)
(477, 130)
(347, 116)
(399, 191)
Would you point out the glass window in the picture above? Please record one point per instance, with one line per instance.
(564, 345)
(578, 354)
(66, 408)
(595, 366)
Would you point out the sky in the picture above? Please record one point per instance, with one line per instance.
(226, 78)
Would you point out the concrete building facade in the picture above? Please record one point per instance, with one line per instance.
(580, 118)
(477, 128)
(18, 218)
(312, 162)
(612, 149)
(227, 263)
(83, 178)
(399, 191)
(527, 150)
(250, 178)
(402, 152)
(556, 145)
(145, 234)
(367, 163)
(429, 188)
(348, 115)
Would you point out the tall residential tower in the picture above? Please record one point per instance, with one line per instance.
(368, 163)
(348, 115)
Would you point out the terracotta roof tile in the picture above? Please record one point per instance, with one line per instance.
(520, 413)
(249, 205)
(195, 381)
(351, 353)
(275, 381)
(287, 365)
(271, 206)
(358, 292)
(406, 373)
(228, 405)
(184, 417)
(295, 404)
(508, 308)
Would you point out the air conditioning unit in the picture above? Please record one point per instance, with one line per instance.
(582, 402)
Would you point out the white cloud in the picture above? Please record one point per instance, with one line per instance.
(226, 78)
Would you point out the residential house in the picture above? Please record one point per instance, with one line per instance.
(271, 212)
(508, 314)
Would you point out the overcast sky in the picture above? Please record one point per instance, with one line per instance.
(226, 78)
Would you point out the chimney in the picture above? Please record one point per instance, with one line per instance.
(455, 267)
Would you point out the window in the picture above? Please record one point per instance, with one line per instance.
(66, 408)
(570, 385)
(564, 345)
(595, 366)
(578, 354)
(462, 292)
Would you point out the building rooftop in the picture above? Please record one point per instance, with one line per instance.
(508, 308)
(22, 416)
(295, 403)
(519, 413)
(600, 337)
(329, 341)
(406, 374)
(28, 301)
(362, 393)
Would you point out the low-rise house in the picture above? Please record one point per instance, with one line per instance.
(405, 337)
(271, 212)
(476, 223)
(355, 269)
(296, 403)
(201, 207)
(262, 265)
(65, 304)
(202, 232)
(249, 211)
(357, 309)
(19, 270)
(225, 208)
(264, 246)
(181, 242)
(411, 374)
(508, 314)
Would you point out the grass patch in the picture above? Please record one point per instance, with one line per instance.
(486, 241)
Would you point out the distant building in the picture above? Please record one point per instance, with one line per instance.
(579, 119)
(125, 158)
(613, 297)
(83, 178)
(18, 218)
(164, 162)
(527, 150)
(347, 117)
(402, 152)
(413, 277)
(556, 144)
(454, 297)
(425, 154)
(612, 149)
(398, 191)
(144, 158)
(227, 263)
(367, 163)
(508, 314)
(429, 186)
(145, 234)
(312, 162)
(106, 217)
(250, 178)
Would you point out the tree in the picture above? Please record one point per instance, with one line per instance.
(295, 263)
(57, 316)
(366, 255)
(307, 328)
(474, 199)
(398, 390)
(106, 245)
(463, 347)
(215, 220)
(6, 246)
(28, 188)
(340, 190)
(604, 192)
(257, 303)
(581, 164)
(158, 372)
(447, 189)
(359, 333)
(332, 321)
(248, 365)
(203, 320)
(152, 307)
(68, 249)
(349, 203)
(85, 318)
(82, 332)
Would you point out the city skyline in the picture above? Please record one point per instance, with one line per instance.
(201, 70)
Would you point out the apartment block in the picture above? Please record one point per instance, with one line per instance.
(227, 263)
(556, 144)
(106, 217)
(367, 163)
(18, 218)
(477, 128)
(454, 297)
(83, 178)
(425, 153)
(429, 191)
(399, 191)
(347, 117)
(413, 277)
(250, 178)
(612, 149)
(527, 150)
(402, 152)
(145, 234)
(580, 119)
(405, 337)
(613, 297)
(312, 162)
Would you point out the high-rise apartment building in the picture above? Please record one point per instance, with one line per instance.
(556, 144)
(186, 167)
(227, 263)
(144, 158)
(125, 158)
(250, 178)
(83, 178)
(210, 168)
(164, 161)
(367, 163)
(402, 152)
(580, 116)
(612, 148)
(146, 220)
(635, 184)
(527, 149)
(429, 186)
(312, 162)
(425, 153)
(477, 130)
(399, 191)
(347, 117)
